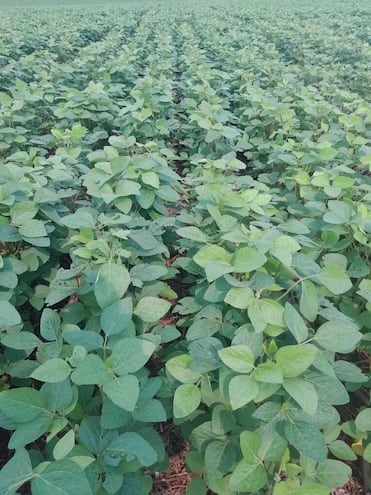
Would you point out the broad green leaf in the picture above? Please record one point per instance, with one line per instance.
(9, 316)
(62, 477)
(246, 260)
(202, 328)
(240, 297)
(268, 372)
(337, 337)
(222, 420)
(197, 486)
(192, 233)
(349, 372)
(250, 443)
(127, 446)
(151, 179)
(50, 323)
(33, 228)
(82, 218)
(295, 359)
(187, 398)
(242, 390)
(333, 473)
(123, 391)
(335, 279)
(271, 312)
(238, 358)
(111, 284)
(305, 437)
(295, 323)
(367, 453)
(309, 300)
(248, 477)
(27, 433)
(215, 260)
(342, 451)
(16, 472)
(151, 309)
(178, 367)
(23, 404)
(149, 411)
(52, 371)
(21, 340)
(338, 212)
(64, 445)
(303, 392)
(363, 420)
(219, 458)
(115, 318)
(131, 354)
(91, 371)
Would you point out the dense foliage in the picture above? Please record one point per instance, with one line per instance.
(184, 228)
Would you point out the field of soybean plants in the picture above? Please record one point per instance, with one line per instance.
(185, 227)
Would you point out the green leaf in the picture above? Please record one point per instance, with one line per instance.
(33, 228)
(349, 372)
(131, 354)
(23, 404)
(21, 340)
(219, 458)
(192, 233)
(215, 260)
(91, 371)
(338, 213)
(197, 486)
(15, 473)
(295, 359)
(116, 317)
(250, 443)
(83, 218)
(242, 390)
(178, 367)
(111, 284)
(149, 411)
(127, 446)
(238, 358)
(61, 478)
(29, 432)
(341, 450)
(363, 420)
(240, 297)
(333, 473)
(367, 453)
(305, 437)
(222, 420)
(64, 445)
(123, 391)
(187, 398)
(52, 371)
(335, 279)
(248, 477)
(150, 309)
(309, 300)
(337, 337)
(303, 392)
(268, 372)
(246, 260)
(295, 323)
(50, 323)
(9, 316)
(151, 179)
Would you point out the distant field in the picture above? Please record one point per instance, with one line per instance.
(57, 3)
